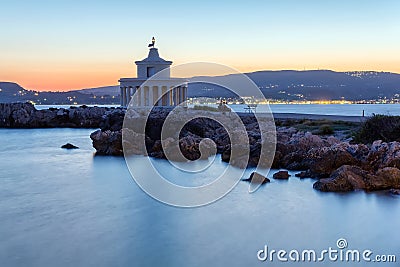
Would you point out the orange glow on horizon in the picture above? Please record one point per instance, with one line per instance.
(62, 79)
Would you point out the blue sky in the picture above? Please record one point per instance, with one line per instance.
(73, 44)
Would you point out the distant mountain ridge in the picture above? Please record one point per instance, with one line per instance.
(112, 90)
(13, 92)
(280, 85)
(315, 85)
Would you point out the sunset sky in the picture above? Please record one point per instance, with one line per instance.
(63, 45)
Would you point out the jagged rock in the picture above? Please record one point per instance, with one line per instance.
(240, 158)
(349, 178)
(282, 175)
(24, 115)
(323, 161)
(303, 174)
(333, 140)
(258, 178)
(107, 142)
(395, 191)
(384, 155)
(346, 178)
(69, 146)
(391, 176)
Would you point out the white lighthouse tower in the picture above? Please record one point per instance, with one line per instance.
(162, 91)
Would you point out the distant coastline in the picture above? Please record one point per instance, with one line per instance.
(345, 110)
(313, 87)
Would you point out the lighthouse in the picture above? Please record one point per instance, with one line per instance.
(163, 90)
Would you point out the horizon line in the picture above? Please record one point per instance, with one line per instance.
(265, 70)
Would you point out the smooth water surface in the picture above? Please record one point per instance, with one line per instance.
(328, 109)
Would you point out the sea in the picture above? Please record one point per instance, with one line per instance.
(317, 109)
(72, 208)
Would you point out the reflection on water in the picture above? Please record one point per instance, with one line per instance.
(69, 208)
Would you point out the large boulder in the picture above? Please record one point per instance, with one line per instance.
(346, 178)
(384, 155)
(107, 142)
(257, 178)
(395, 191)
(281, 175)
(349, 178)
(16, 115)
(323, 161)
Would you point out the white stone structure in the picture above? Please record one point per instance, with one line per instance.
(161, 90)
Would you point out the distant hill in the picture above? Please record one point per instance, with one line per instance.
(313, 85)
(12, 92)
(281, 85)
(101, 91)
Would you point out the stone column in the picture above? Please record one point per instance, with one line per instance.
(151, 100)
(169, 97)
(139, 92)
(177, 95)
(159, 97)
(124, 97)
(120, 97)
(128, 93)
(173, 97)
(142, 92)
(135, 96)
(184, 95)
(128, 96)
(132, 93)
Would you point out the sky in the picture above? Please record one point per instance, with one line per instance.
(63, 45)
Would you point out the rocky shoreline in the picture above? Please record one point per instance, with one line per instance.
(338, 165)
(25, 115)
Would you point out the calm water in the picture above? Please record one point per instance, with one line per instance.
(331, 109)
(69, 208)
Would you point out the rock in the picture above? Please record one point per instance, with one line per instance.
(69, 146)
(24, 115)
(258, 178)
(324, 161)
(133, 143)
(107, 142)
(390, 177)
(333, 140)
(383, 155)
(349, 178)
(16, 115)
(343, 179)
(303, 174)
(282, 175)
(310, 141)
(240, 158)
(395, 191)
